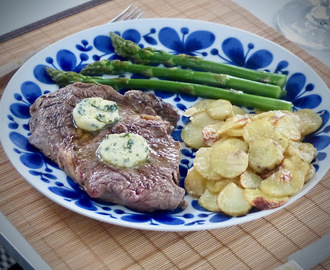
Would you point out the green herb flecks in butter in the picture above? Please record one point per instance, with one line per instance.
(93, 114)
(123, 150)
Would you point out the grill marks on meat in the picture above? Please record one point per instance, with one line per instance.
(150, 186)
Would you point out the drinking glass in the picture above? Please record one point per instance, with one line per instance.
(306, 22)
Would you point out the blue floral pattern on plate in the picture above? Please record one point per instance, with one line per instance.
(217, 42)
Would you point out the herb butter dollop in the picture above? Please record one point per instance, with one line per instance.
(92, 114)
(123, 150)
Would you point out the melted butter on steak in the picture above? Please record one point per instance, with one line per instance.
(123, 150)
(93, 114)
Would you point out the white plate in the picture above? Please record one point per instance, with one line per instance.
(209, 40)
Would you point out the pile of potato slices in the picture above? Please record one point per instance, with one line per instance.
(245, 160)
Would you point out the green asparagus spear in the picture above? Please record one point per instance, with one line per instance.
(132, 51)
(116, 67)
(236, 97)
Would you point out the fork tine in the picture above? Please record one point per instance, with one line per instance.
(128, 14)
(134, 14)
(121, 14)
(137, 15)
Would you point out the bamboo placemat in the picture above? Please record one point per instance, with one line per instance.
(67, 240)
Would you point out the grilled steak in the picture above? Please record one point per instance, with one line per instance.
(150, 186)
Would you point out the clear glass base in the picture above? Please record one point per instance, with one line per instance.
(306, 23)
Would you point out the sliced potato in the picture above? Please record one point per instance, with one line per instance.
(238, 150)
(213, 133)
(203, 165)
(199, 106)
(209, 201)
(305, 151)
(231, 200)
(288, 126)
(288, 180)
(262, 128)
(240, 144)
(219, 109)
(217, 186)
(249, 179)
(310, 121)
(310, 174)
(192, 136)
(238, 110)
(256, 129)
(281, 141)
(235, 132)
(269, 115)
(300, 166)
(264, 155)
(202, 119)
(194, 183)
(236, 122)
(263, 201)
(228, 160)
(192, 133)
(210, 133)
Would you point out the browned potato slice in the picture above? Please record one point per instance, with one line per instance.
(231, 200)
(264, 155)
(288, 180)
(192, 136)
(200, 106)
(219, 109)
(209, 201)
(214, 132)
(192, 133)
(310, 121)
(210, 133)
(263, 201)
(228, 160)
(249, 179)
(203, 165)
(217, 186)
(305, 151)
(194, 183)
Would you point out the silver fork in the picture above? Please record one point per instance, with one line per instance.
(130, 13)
